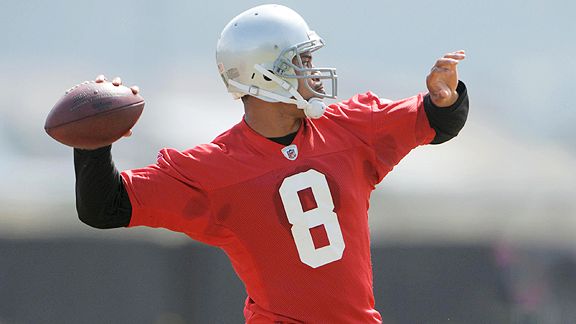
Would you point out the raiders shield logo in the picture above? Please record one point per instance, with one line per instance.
(290, 152)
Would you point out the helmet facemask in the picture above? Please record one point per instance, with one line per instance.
(284, 66)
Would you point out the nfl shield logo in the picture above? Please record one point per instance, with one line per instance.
(290, 152)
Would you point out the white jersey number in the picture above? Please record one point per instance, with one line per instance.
(303, 221)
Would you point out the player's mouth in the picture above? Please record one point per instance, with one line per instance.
(320, 88)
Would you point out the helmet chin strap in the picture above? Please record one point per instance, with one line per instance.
(313, 108)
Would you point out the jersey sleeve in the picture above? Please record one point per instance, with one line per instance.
(398, 127)
(164, 195)
(391, 128)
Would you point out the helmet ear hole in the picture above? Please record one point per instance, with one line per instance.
(267, 78)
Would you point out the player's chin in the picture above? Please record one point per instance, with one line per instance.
(317, 93)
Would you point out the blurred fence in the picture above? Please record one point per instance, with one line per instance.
(114, 281)
(117, 281)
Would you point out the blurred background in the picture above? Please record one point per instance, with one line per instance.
(479, 230)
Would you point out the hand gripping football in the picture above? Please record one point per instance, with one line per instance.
(92, 115)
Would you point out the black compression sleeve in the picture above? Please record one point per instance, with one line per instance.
(447, 121)
(101, 199)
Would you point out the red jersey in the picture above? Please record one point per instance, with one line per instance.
(292, 219)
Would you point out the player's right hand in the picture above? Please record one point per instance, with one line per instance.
(118, 81)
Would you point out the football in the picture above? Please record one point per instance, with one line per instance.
(94, 114)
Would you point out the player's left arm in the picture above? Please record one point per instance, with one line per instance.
(446, 103)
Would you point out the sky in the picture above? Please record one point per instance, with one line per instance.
(509, 174)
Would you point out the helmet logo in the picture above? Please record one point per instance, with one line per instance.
(232, 73)
(290, 152)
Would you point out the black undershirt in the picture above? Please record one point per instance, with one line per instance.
(284, 140)
(102, 200)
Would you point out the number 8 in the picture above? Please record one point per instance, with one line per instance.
(303, 221)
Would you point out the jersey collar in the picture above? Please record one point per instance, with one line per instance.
(270, 147)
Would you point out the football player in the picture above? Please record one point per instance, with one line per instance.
(285, 192)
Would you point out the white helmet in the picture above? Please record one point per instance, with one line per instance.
(255, 55)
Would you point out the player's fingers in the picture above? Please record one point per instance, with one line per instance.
(445, 63)
(100, 78)
(135, 89)
(117, 81)
(128, 133)
(456, 56)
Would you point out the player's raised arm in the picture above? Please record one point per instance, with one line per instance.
(446, 103)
